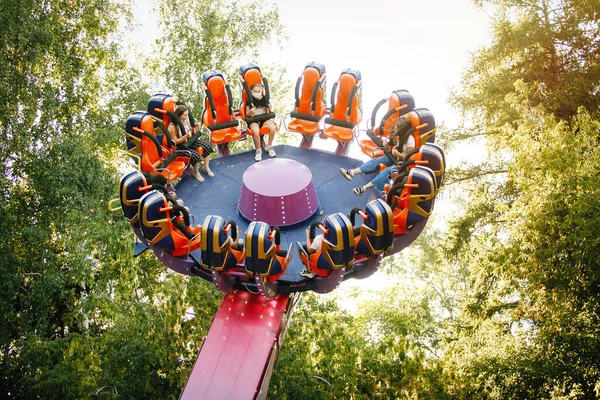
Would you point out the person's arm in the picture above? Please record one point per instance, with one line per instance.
(173, 132)
(397, 154)
(249, 111)
(308, 241)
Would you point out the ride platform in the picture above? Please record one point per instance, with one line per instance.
(221, 195)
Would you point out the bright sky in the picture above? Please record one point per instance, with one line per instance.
(421, 46)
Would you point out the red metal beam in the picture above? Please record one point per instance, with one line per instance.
(241, 346)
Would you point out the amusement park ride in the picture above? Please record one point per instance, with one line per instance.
(250, 242)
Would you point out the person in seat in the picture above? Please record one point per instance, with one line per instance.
(180, 139)
(261, 107)
(399, 133)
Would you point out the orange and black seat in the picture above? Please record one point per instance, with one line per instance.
(337, 249)
(264, 258)
(424, 123)
(250, 74)
(399, 103)
(131, 189)
(429, 155)
(219, 250)
(411, 197)
(376, 233)
(346, 107)
(154, 158)
(218, 115)
(166, 224)
(162, 109)
(309, 107)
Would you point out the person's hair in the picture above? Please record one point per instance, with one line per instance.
(400, 132)
(255, 85)
(180, 109)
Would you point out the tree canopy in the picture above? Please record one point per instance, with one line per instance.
(503, 303)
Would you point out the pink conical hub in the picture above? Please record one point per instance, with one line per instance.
(278, 191)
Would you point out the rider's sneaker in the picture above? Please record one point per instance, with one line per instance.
(359, 190)
(269, 149)
(346, 173)
(258, 155)
(208, 172)
(306, 273)
(198, 177)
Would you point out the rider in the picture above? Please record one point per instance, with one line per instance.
(261, 107)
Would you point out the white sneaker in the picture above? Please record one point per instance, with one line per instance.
(198, 177)
(269, 149)
(258, 155)
(306, 273)
(208, 172)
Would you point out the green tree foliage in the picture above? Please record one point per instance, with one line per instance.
(199, 36)
(380, 352)
(82, 318)
(528, 325)
(552, 46)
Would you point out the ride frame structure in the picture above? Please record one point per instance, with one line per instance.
(275, 202)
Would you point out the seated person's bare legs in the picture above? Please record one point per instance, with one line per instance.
(255, 129)
(269, 149)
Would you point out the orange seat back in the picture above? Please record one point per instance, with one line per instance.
(250, 75)
(217, 105)
(313, 76)
(348, 87)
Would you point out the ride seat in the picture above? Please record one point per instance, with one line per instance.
(432, 156)
(250, 74)
(429, 155)
(218, 242)
(264, 257)
(411, 197)
(424, 123)
(376, 233)
(166, 224)
(337, 250)
(131, 189)
(218, 114)
(310, 106)
(162, 109)
(154, 158)
(399, 103)
(346, 103)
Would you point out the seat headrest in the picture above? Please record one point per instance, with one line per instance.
(380, 216)
(354, 72)
(252, 77)
(141, 120)
(208, 75)
(401, 97)
(162, 101)
(214, 237)
(436, 161)
(338, 226)
(130, 194)
(318, 66)
(425, 116)
(247, 67)
(216, 85)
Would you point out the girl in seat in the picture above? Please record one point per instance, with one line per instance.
(260, 107)
(401, 142)
(205, 149)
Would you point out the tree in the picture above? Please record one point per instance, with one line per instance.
(527, 327)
